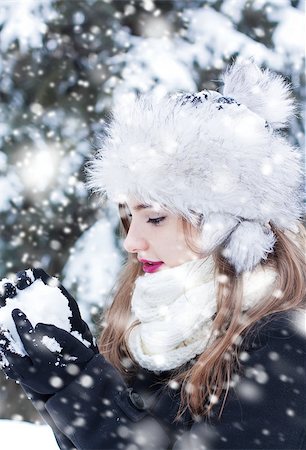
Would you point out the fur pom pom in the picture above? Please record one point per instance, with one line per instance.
(262, 91)
(248, 245)
(215, 230)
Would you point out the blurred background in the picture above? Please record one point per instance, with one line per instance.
(63, 63)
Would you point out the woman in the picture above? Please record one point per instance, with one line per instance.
(203, 346)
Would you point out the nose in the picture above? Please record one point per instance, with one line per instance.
(135, 241)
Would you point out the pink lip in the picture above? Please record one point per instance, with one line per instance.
(148, 261)
(151, 267)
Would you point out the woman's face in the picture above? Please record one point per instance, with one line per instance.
(157, 235)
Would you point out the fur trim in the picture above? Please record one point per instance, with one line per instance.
(263, 92)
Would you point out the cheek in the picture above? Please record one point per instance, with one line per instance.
(177, 244)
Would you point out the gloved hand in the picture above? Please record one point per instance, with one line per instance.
(25, 278)
(77, 323)
(44, 371)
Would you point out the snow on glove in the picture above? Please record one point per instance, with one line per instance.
(77, 324)
(39, 295)
(55, 357)
(5, 345)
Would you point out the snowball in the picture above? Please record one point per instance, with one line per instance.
(41, 303)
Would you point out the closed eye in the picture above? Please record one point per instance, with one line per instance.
(155, 221)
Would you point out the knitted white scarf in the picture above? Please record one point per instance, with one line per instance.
(175, 307)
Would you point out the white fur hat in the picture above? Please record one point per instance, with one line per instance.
(218, 155)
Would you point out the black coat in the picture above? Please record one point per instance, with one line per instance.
(265, 408)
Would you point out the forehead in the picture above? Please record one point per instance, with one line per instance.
(144, 207)
(140, 206)
(135, 205)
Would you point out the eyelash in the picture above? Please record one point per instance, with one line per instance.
(156, 221)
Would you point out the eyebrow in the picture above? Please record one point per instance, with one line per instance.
(141, 206)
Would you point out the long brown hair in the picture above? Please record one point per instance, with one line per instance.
(210, 375)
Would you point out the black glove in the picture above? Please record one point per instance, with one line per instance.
(44, 371)
(24, 279)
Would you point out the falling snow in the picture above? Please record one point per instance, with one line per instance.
(63, 65)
